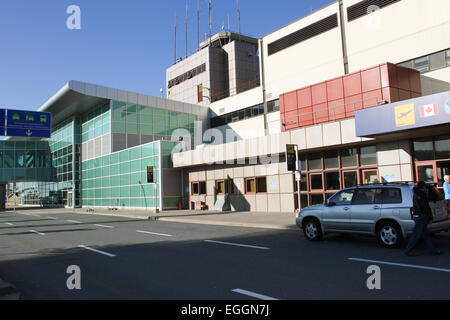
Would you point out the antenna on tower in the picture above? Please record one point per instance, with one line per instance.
(198, 24)
(175, 47)
(239, 20)
(210, 22)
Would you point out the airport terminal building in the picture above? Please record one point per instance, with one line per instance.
(362, 87)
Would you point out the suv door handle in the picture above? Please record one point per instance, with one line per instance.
(346, 208)
(376, 207)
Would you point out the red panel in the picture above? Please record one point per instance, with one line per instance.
(414, 81)
(388, 75)
(352, 84)
(404, 94)
(290, 101)
(353, 103)
(306, 116)
(291, 120)
(337, 109)
(372, 98)
(304, 98)
(282, 107)
(319, 93)
(371, 79)
(387, 95)
(321, 113)
(335, 89)
(403, 78)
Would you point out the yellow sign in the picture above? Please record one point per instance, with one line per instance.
(405, 115)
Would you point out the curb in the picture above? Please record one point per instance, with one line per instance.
(8, 291)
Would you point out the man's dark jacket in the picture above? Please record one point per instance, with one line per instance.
(421, 205)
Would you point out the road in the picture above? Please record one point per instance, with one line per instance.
(122, 259)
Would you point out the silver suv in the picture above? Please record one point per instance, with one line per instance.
(382, 210)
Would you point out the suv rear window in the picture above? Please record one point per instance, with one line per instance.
(392, 195)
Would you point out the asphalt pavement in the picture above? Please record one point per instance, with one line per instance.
(123, 258)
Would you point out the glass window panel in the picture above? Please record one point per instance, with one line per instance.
(124, 167)
(316, 182)
(350, 179)
(317, 199)
(370, 176)
(333, 180)
(124, 192)
(250, 186)
(303, 162)
(261, 184)
(315, 161)
(442, 148)
(135, 178)
(367, 196)
(392, 195)
(423, 150)
(220, 187)
(369, 156)
(437, 61)
(331, 159)
(115, 181)
(349, 157)
(343, 198)
(422, 64)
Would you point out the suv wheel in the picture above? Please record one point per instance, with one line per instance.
(312, 230)
(390, 235)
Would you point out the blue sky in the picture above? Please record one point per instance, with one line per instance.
(121, 44)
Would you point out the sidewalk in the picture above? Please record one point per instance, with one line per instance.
(277, 221)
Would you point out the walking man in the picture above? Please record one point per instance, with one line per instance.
(447, 187)
(422, 217)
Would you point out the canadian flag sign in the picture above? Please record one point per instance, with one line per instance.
(429, 110)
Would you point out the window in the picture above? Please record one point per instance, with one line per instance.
(422, 64)
(423, 150)
(343, 198)
(250, 186)
(220, 187)
(195, 188)
(256, 185)
(261, 184)
(333, 180)
(331, 159)
(349, 157)
(392, 196)
(437, 61)
(202, 188)
(317, 199)
(367, 196)
(200, 93)
(350, 178)
(369, 156)
(442, 146)
(316, 181)
(315, 161)
(370, 176)
(198, 188)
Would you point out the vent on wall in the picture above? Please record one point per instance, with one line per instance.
(366, 7)
(304, 34)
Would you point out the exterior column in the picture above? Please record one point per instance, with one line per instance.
(2, 197)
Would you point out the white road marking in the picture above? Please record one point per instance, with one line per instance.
(73, 221)
(8, 224)
(97, 251)
(51, 218)
(37, 232)
(237, 245)
(254, 295)
(153, 233)
(103, 226)
(400, 265)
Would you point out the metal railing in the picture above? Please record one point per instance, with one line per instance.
(312, 117)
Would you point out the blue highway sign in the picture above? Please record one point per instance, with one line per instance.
(28, 124)
(2, 121)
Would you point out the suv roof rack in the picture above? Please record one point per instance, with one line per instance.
(398, 183)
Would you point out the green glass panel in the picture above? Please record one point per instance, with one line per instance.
(124, 156)
(135, 178)
(114, 169)
(135, 203)
(114, 158)
(116, 105)
(115, 181)
(106, 192)
(124, 192)
(135, 191)
(105, 171)
(135, 153)
(135, 166)
(124, 203)
(106, 182)
(105, 161)
(115, 192)
(147, 150)
(132, 128)
(119, 127)
(124, 180)
(124, 168)
(146, 129)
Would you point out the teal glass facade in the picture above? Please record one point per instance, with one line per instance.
(99, 159)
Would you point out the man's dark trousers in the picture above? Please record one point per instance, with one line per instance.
(421, 230)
